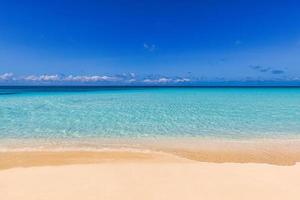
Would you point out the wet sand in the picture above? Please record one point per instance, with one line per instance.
(276, 152)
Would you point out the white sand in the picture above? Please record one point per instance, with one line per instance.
(151, 180)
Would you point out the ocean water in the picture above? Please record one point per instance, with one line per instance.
(138, 112)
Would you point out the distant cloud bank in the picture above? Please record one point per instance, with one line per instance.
(120, 78)
(133, 79)
(6, 76)
(263, 69)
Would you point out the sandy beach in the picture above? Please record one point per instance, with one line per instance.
(149, 100)
(140, 175)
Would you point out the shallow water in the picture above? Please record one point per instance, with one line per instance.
(126, 112)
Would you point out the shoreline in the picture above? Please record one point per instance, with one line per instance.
(284, 153)
(9, 160)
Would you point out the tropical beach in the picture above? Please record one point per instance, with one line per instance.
(161, 161)
(149, 100)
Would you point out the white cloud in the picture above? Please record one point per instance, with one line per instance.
(6, 76)
(181, 80)
(164, 80)
(124, 78)
(132, 80)
(149, 47)
(90, 78)
(42, 78)
(132, 74)
(148, 81)
(69, 78)
(160, 80)
(167, 80)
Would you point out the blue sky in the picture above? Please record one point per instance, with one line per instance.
(159, 41)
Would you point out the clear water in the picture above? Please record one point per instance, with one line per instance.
(120, 112)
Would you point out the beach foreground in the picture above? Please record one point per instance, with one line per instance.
(141, 175)
(151, 181)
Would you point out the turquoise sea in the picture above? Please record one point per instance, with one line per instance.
(148, 112)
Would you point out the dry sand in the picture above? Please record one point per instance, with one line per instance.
(139, 175)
